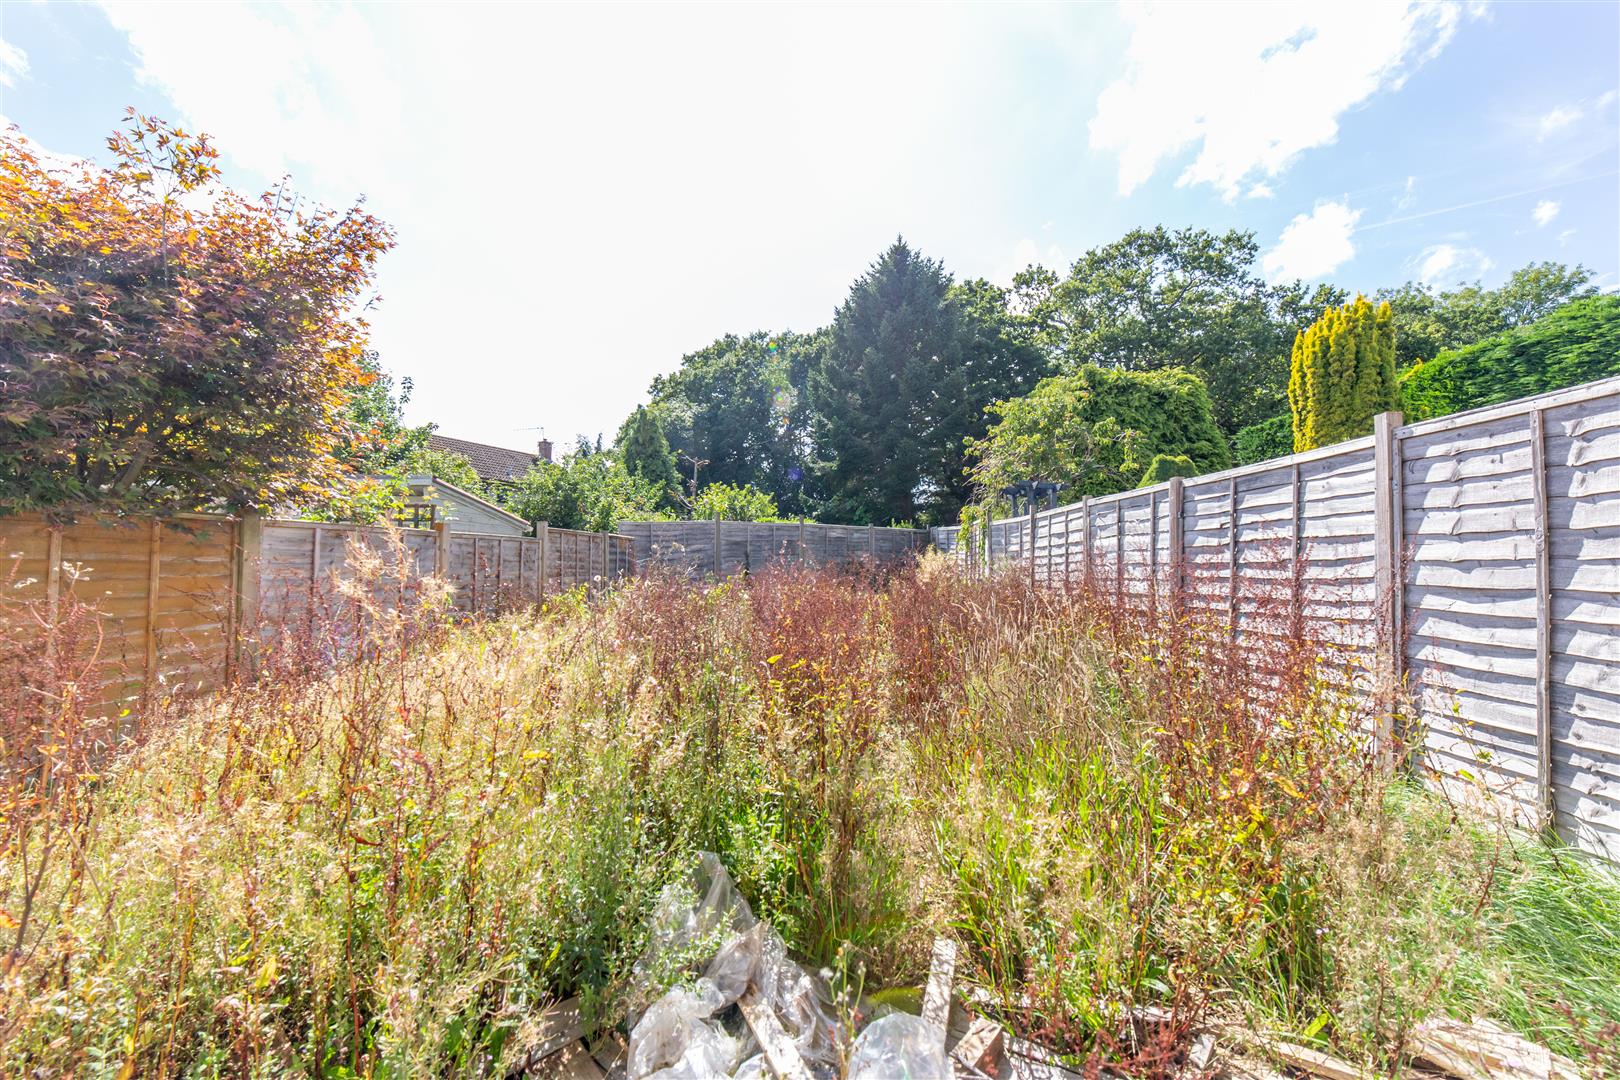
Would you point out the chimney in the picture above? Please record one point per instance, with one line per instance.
(544, 450)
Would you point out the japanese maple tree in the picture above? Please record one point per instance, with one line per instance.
(167, 344)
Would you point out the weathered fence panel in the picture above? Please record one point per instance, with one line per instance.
(165, 593)
(494, 573)
(174, 598)
(1475, 559)
(729, 547)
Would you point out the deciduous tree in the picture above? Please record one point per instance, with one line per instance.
(166, 344)
(1096, 430)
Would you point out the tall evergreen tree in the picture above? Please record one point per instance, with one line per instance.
(911, 362)
(646, 453)
(1343, 374)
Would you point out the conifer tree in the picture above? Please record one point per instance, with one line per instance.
(646, 453)
(1343, 374)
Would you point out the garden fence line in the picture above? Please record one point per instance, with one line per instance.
(1471, 560)
(723, 547)
(179, 597)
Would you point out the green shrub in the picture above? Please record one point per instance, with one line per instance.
(1343, 374)
(1164, 466)
(1098, 428)
(1268, 439)
(1575, 344)
(735, 502)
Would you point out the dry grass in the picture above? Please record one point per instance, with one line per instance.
(380, 867)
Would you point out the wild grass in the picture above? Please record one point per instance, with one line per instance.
(384, 866)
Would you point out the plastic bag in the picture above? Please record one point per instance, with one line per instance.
(674, 1039)
(704, 922)
(899, 1047)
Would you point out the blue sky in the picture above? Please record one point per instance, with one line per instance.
(582, 194)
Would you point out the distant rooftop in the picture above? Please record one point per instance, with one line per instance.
(493, 462)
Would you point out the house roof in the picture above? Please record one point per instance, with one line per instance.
(490, 462)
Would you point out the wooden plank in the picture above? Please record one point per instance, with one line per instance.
(780, 1051)
(1546, 806)
(1232, 556)
(554, 1029)
(936, 1002)
(1178, 533)
(981, 1048)
(1386, 459)
(154, 579)
(53, 574)
(572, 1062)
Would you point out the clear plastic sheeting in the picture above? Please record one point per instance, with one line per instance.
(693, 1030)
(899, 1046)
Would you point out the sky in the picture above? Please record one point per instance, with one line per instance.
(584, 194)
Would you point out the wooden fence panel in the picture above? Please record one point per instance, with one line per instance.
(751, 546)
(1484, 570)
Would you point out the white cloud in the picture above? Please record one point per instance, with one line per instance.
(1565, 236)
(1314, 244)
(1558, 119)
(13, 64)
(1408, 194)
(1253, 86)
(1545, 211)
(1261, 191)
(1442, 265)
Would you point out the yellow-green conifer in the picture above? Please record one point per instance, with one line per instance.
(1343, 374)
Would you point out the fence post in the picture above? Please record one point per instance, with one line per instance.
(607, 557)
(154, 582)
(717, 560)
(1178, 537)
(1033, 510)
(871, 543)
(1232, 557)
(1386, 562)
(1119, 550)
(1085, 541)
(1547, 805)
(441, 548)
(249, 545)
(542, 532)
(1296, 572)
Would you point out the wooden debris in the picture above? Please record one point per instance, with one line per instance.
(936, 1003)
(981, 1048)
(782, 1056)
(1482, 1050)
(572, 1062)
(1309, 1061)
(1030, 1061)
(613, 1055)
(549, 1032)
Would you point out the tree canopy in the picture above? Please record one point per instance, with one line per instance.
(735, 413)
(1576, 343)
(1429, 322)
(910, 364)
(584, 491)
(1097, 430)
(647, 455)
(1185, 298)
(733, 503)
(161, 353)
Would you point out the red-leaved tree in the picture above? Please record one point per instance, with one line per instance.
(165, 343)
